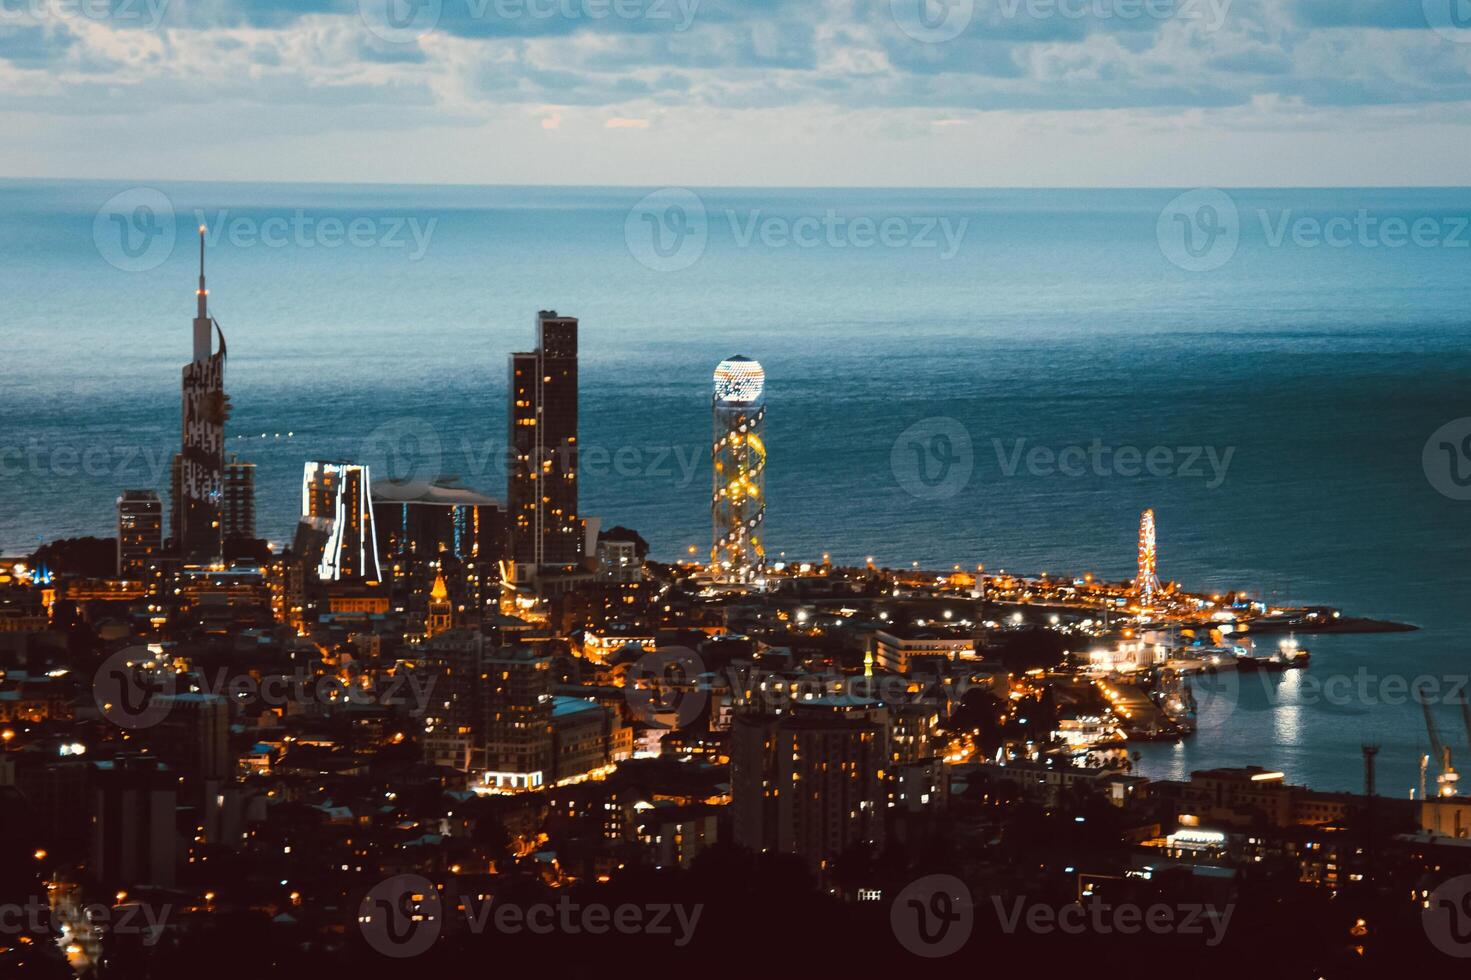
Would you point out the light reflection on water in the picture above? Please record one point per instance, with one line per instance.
(1287, 720)
(1311, 724)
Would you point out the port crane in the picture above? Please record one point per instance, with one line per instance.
(1466, 717)
(1448, 777)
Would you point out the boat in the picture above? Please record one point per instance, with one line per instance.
(1292, 654)
(1269, 665)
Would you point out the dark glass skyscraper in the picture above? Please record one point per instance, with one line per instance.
(199, 471)
(545, 530)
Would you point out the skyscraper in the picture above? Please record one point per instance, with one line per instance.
(542, 486)
(517, 686)
(810, 786)
(341, 495)
(139, 532)
(239, 504)
(454, 720)
(738, 461)
(199, 470)
(135, 837)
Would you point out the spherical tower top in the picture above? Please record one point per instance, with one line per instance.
(739, 380)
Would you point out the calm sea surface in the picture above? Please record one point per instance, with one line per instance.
(1023, 319)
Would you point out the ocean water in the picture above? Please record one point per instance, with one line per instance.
(1287, 394)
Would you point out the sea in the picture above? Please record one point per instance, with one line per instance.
(996, 377)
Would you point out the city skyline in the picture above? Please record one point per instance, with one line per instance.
(600, 719)
(941, 486)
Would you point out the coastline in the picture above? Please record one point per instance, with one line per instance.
(1343, 626)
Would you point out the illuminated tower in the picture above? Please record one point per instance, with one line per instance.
(738, 459)
(199, 469)
(1146, 586)
(541, 493)
(441, 618)
(340, 496)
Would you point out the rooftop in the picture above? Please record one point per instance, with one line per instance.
(445, 492)
(564, 706)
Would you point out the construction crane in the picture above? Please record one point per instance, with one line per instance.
(1466, 717)
(1446, 781)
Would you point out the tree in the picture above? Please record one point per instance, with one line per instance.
(84, 557)
(238, 547)
(640, 546)
(28, 945)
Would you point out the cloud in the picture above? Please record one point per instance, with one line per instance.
(1256, 60)
(603, 64)
(34, 46)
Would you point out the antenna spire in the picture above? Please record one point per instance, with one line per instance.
(203, 292)
(203, 343)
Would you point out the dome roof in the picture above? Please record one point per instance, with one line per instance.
(739, 379)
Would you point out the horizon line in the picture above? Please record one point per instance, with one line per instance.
(742, 187)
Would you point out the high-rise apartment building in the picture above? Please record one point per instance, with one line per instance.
(545, 530)
(516, 684)
(239, 499)
(139, 533)
(454, 716)
(135, 837)
(810, 785)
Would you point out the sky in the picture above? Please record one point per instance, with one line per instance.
(957, 93)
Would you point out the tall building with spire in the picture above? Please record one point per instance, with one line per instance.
(541, 497)
(199, 469)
